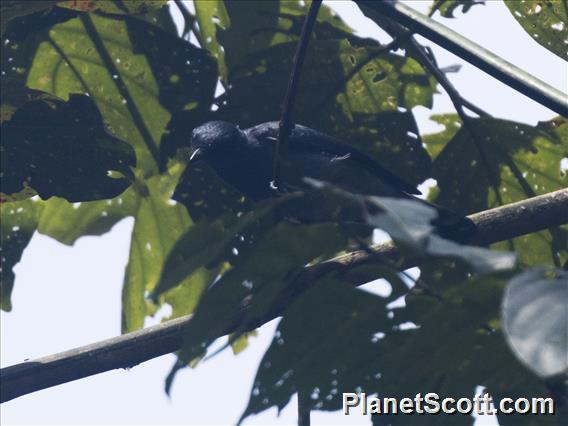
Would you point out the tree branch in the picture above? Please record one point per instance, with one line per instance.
(469, 51)
(285, 125)
(502, 223)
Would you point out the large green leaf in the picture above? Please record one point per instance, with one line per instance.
(159, 222)
(211, 16)
(67, 222)
(235, 30)
(63, 149)
(546, 21)
(516, 161)
(125, 65)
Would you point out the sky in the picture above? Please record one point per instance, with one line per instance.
(66, 297)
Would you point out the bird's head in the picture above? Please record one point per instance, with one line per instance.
(216, 139)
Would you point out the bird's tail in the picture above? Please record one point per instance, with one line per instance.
(451, 225)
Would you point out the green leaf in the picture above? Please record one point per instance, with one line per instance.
(212, 15)
(240, 343)
(126, 67)
(159, 222)
(67, 222)
(258, 282)
(447, 8)
(63, 149)
(315, 344)
(336, 339)
(546, 21)
(210, 244)
(518, 161)
(535, 315)
(11, 9)
(19, 222)
(112, 6)
(250, 27)
(436, 142)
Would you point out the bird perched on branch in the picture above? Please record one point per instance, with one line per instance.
(245, 158)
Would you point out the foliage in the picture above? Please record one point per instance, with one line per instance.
(545, 21)
(93, 87)
(447, 8)
(535, 315)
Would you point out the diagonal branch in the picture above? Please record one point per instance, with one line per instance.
(502, 223)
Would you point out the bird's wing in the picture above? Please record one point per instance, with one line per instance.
(311, 141)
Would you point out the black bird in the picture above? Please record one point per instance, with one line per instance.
(244, 159)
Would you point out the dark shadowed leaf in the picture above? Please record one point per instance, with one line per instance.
(447, 8)
(546, 21)
(249, 27)
(535, 315)
(134, 71)
(336, 339)
(11, 9)
(63, 149)
(314, 347)
(518, 161)
(410, 225)
(259, 283)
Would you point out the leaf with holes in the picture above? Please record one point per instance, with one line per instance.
(258, 283)
(159, 222)
(546, 21)
(248, 28)
(212, 16)
(504, 163)
(135, 72)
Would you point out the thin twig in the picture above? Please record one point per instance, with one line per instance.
(458, 101)
(285, 126)
(121, 87)
(502, 223)
(303, 408)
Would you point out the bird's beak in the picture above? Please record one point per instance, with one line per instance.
(195, 155)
